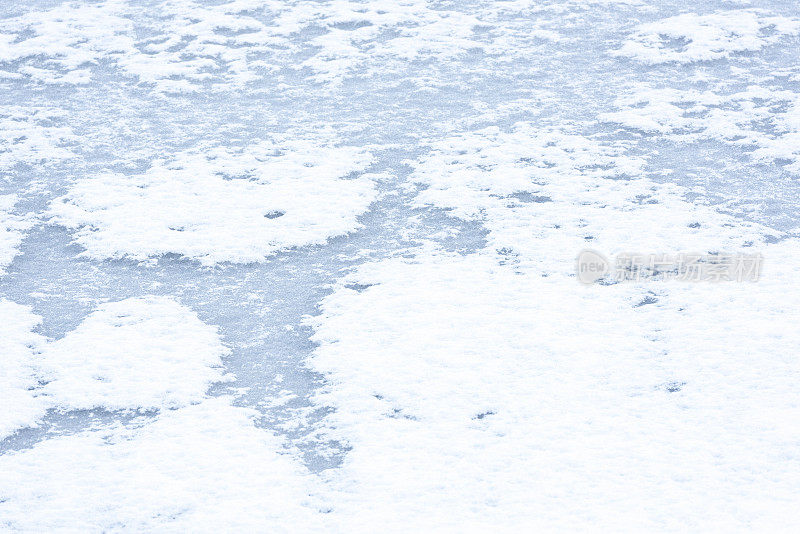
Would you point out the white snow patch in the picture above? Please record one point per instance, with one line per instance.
(192, 44)
(495, 390)
(184, 46)
(12, 230)
(146, 352)
(235, 42)
(762, 117)
(691, 37)
(472, 394)
(202, 468)
(67, 37)
(369, 38)
(31, 135)
(546, 194)
(20, 408)
(221, 205)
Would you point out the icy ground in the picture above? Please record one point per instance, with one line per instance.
(303, 265)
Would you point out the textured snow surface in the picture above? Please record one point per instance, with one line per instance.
(147, 478)
(32, 135)
(221, 205)
(545, 194)
(136, 353)
(537, 401)
(12, 229)
(745, 118)
(517, 385)
(309, 265)
(692, 37)
(20, 407)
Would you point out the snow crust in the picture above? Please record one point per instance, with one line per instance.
(18, 344)
(12, 230)
(137, 353)
(692, 37)
(543, 195)
(221, 205)
(204, 468)
(763, 118)
(437, 367)
(221, 43)
(33, 135)
(535, 401)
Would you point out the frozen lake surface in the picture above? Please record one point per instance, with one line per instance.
(293, 265)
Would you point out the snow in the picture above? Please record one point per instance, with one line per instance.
(21, 408)
(70, 36)
(736, 117)
(691, 37)
(32, 135)
(221, 205)
(310, 265)
(524, 408)
(217, 42)
(544, 195)
(148, 477)
(752, 117)
(139, 353)
(12, 230)
(74, 35)
(533, 400)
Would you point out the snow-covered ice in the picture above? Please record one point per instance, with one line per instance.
(534, 401)
(21, 408)
(220, 205)
(310, 265)
(148, 477)
(692, 37)
(136, 353)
